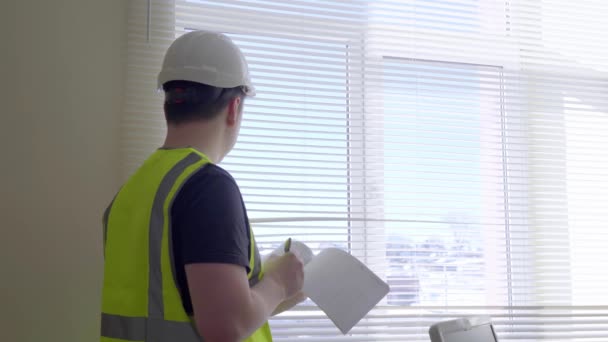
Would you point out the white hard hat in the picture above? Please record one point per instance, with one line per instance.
(206, 57)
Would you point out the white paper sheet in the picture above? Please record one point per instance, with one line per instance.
(343, 287)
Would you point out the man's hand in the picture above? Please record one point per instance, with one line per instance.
(293, 300)
(290, 303)
(288, 271)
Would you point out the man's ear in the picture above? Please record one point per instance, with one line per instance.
(233, 111)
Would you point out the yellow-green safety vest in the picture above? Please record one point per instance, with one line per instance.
(140, 298)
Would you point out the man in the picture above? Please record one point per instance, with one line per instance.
(181, 263)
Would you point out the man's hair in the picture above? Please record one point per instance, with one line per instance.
(187, 101)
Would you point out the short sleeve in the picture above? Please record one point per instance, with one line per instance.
(209, 222)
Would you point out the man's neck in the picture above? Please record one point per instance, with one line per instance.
(204, 138)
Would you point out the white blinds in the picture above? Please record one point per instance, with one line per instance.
(459, 148)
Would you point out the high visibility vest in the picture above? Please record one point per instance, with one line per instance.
(140, 298)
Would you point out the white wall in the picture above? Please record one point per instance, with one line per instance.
(61, 94)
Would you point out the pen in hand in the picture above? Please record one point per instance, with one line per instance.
(287, 245)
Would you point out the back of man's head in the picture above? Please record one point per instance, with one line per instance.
(202, 72)
(187, 101)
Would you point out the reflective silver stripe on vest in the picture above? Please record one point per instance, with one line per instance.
(124, 328)
(134, 329)
(154, 328)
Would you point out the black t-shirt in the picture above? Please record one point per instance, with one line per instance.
(209, 224)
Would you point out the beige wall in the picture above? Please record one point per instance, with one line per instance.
(62, 69)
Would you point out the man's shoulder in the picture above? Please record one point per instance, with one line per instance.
(211, 173)
(210, 180)
(209, 188)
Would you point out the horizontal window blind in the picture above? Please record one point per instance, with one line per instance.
(459, 148)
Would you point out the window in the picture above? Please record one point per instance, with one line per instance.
(456, 147)
(291, 159)
(444, 181)
(587, 167)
